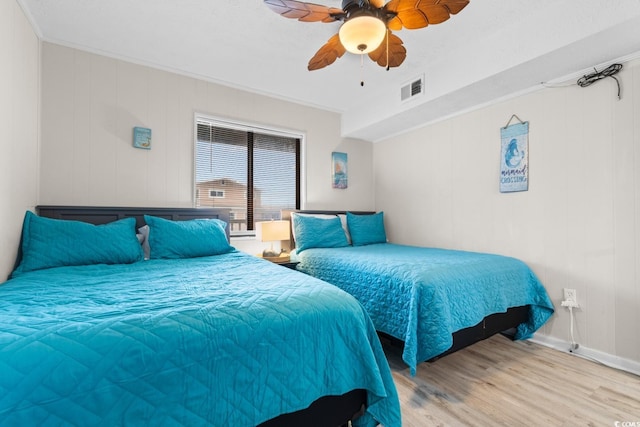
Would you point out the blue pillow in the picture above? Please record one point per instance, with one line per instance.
(48, 243)
(366, 229)
(186, 239)
(312, 232)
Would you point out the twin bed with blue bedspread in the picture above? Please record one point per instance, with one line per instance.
(193, 338)
(418, 295)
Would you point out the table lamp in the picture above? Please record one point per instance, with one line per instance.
(270, 231)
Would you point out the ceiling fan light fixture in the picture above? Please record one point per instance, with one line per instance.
(362, 34)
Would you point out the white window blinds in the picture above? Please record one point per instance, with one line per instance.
(251, 171)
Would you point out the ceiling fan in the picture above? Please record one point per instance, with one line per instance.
(367, 25)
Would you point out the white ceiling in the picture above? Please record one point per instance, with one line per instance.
(491, 49)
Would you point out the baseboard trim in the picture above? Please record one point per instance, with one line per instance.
(607, 359)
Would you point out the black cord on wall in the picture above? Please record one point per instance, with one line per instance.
(589, 79)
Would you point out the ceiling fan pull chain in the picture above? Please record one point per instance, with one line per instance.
(361, 70)
(388, 49)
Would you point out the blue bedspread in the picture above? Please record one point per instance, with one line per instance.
(422, 295)
(228, 340)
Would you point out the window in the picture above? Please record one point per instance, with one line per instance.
(254, 172)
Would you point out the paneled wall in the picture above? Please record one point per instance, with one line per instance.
(19, 94)
(578, 226)
(91, 103)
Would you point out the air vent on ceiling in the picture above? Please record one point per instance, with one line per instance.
(414, 88)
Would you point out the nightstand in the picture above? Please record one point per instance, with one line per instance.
(284, 261)
(289, 264)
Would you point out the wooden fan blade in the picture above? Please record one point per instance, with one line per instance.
(377, 3)
(414, 14)
(397, 52)
(306, 12)
(327, 54)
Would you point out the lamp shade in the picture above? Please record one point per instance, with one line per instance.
(362, 34)
(270, 231)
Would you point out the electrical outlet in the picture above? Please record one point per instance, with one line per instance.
(570, 298)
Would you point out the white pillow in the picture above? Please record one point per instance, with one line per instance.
(143, 237)
(343, 220)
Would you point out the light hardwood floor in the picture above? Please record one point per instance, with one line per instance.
(514, 383)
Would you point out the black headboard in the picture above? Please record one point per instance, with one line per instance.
(103, 215)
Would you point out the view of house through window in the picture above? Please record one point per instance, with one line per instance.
(254, 172)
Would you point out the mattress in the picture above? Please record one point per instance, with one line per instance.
(423, 295)
(222, 340)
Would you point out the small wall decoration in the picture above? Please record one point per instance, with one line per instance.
(142, 138)
(339, 176)
(514, 157)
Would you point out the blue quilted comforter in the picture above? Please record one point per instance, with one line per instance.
(228, 340)
(422, 295)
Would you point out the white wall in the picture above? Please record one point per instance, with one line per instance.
(578, 226)
(19, 95)
(91, 103)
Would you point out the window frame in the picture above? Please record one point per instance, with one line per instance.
(244, 126)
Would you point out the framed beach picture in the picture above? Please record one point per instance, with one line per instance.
(339, 176)
(142, 138)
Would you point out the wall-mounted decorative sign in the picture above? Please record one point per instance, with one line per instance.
(514, 157)
(339, 176)
(142, 138)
